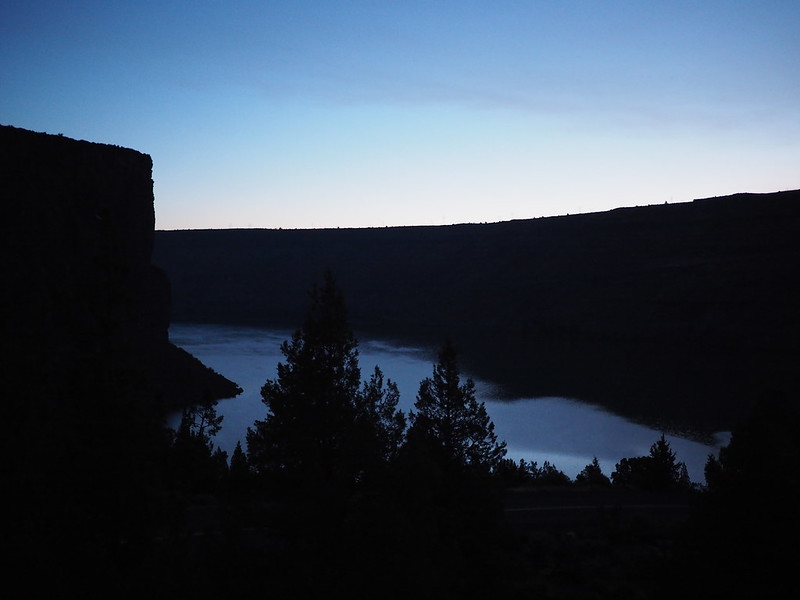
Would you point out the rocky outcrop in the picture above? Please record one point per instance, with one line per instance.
(78, 283)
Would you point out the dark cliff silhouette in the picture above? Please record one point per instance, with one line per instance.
(675, 314)
(77, 238)
(88, 371)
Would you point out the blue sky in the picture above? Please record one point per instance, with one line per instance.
(301, 114)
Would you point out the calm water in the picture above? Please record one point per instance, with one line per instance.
(563, 431)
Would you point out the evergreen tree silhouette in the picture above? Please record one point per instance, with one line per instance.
(659, 471)
(380, 423)
(196, 464)
(592, 474)
(452, 496)
(323, 430)
(239, 469)
(449, 417)
(306, 440)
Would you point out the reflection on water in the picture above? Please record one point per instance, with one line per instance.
(565, 432)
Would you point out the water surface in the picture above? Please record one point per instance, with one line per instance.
(566, 432)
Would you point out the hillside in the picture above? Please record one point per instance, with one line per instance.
(677, 314)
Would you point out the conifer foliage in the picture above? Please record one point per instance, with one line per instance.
(379, 418)
(592, 474)
(659, 471)
(196, 464)
(448, 416)
(321, 430)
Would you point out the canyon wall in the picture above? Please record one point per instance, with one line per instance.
(78, 282)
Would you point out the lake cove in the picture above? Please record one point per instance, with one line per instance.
(566, 432)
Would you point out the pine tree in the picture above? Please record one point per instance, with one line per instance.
(322, 430)
(201, 422)
(658, 471)
(667, 472)
(380, 420)
(451, 470)
(196, 464)
(592, 474)
(240, 468)
(448, 416)
(306, 435)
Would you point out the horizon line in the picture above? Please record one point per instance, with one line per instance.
(476, 223)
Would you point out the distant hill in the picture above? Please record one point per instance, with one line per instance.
(676, 314)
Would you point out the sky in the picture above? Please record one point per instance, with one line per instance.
(309, 114)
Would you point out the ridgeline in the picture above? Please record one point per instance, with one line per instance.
(677, 315)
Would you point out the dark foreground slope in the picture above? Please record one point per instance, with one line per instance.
(677, 314)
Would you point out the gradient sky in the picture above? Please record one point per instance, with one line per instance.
(301, 114)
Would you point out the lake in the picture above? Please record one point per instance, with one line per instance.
(564, 431)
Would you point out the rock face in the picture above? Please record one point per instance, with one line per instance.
(78, 283)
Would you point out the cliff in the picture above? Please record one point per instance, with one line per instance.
(78, 283)
(678, 315)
